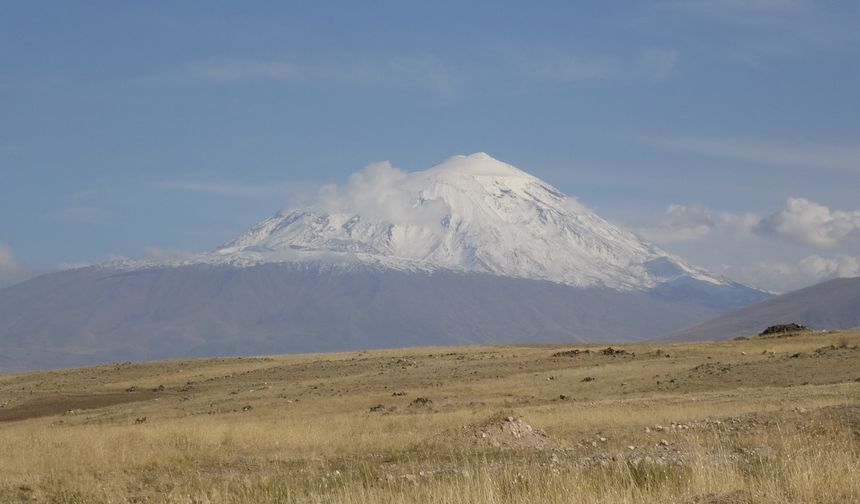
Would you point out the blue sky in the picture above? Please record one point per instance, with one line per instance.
(726, 131)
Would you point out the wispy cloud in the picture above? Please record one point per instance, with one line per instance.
(795, 155)
(11, 270)
(812, 224)
(801, 22)
(735, 9)
(800, 221)
(683, 223)
(797, 245)
(78, 214)
(224, 188)
(426, 72)
(654, 64)
(785, 276)
(294, 191)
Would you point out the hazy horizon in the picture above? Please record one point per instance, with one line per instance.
(724, 132)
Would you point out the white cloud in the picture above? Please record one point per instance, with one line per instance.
(693, 222)
(771, 25)
(377, 193)
(744, 246)
(729, 9)
(800, 220)
(78, 214)
(65, 266)
(795, 155)
(11, 270)
(812, 224)
(233, 188)
(785, 276)
(167, 255)
(830, 267)
(426, 72)
(655, 64)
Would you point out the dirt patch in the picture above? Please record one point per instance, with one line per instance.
(69, 404)
(507, 433)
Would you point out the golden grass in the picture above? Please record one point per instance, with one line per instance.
(771, 428)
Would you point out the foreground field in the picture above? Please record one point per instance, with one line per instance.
(757, 420)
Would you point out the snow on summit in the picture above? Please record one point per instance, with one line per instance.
(469, 213)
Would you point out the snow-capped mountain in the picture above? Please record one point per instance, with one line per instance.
(472, 250)
(470, 214)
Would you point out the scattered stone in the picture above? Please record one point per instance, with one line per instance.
(613, 351)
(588, 379)
(571, 353)
(159, 388)
(663, 442)
(247, 407)
(421, 402)
(784, 329)
(563, 397)
(377, 409)
(506, 433)
(131, 389)
(398, 394)
(794, 355)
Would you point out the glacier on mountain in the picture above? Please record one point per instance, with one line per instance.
(470, 214)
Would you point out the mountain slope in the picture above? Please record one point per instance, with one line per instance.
(834, 304)
(469, 213)
(469, 251)
(95, 315)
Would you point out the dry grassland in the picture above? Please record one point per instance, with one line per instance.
(748, 421)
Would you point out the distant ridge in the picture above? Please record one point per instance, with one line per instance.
(469, 251)
(469, 213)
(834, 304)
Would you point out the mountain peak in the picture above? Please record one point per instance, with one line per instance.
(469, 213)
(477, 164)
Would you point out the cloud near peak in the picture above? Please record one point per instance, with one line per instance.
(376, 192)
(799, 220)
(812, 224)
